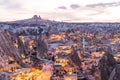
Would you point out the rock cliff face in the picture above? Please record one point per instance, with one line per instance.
(117, 73)
(75, 60)
(21, 47)
(106, 66)
(7, 47)
(41, 47)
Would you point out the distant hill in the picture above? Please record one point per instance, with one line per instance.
(34, 20)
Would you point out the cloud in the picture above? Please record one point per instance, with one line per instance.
(10, 4)
(104, 4)
(74, 6)
(62, 7)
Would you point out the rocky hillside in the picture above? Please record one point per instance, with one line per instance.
(7, 47)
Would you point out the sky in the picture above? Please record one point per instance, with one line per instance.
(61, 10)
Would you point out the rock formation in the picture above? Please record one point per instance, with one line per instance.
(7, 47)
(41, 47)
(75, 60)
(106, 66)
(116, 73)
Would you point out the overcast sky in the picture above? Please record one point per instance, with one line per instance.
(61, 10)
